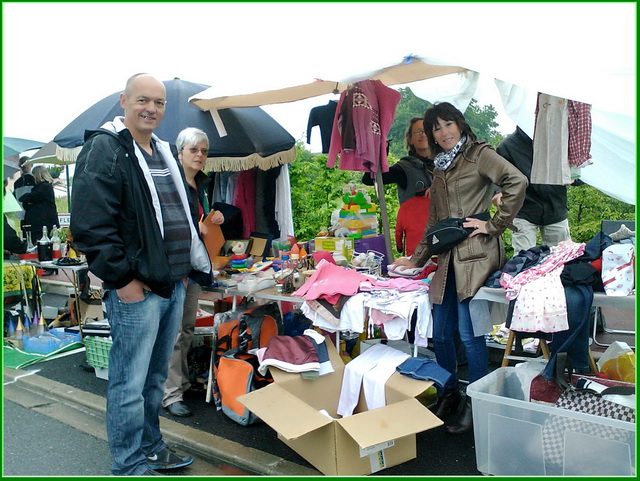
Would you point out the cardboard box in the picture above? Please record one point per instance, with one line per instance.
(89, 309)
(363, 443)
(344, 245)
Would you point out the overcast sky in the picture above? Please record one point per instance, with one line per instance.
(60, 58)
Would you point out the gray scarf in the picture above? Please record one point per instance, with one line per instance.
(443, 160)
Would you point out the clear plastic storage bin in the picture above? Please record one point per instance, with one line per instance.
(514, 436)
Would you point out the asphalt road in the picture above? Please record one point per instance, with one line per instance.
(44, 436)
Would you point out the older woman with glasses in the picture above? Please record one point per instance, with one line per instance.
(193, 146)
(413, 172)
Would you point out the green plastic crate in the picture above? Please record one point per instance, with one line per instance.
(98, 351)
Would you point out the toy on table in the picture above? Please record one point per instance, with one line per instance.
(239, 258)
(358, 216)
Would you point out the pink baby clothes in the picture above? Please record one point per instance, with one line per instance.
(329, 282)
(541, 305)
(560, 254)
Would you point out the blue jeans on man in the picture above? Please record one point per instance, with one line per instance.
(449, 317)
(143, 336)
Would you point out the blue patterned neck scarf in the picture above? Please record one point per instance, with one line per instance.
(443, 160)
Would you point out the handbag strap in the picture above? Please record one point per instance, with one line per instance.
(563, 361)
(619, 390)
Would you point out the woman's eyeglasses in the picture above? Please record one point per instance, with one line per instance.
(194, 151)
(418, 132)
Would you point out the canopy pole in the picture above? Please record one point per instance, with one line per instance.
(379, 185)
(66, 167)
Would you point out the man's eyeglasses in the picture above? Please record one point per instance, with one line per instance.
(194, 151)
(418, 132)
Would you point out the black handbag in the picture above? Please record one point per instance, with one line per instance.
(448, 233)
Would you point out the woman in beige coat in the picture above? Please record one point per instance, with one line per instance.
(466, 171)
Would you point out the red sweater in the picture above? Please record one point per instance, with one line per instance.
(410, 223)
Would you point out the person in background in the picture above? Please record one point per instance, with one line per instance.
(130, 216)
(193, 146)
(24, 184)
(465, 173)
(40, 204)
(411, 220)
(414, 171)
(12, 244)
(545, 207)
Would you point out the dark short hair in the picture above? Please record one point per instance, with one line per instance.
(445, 111)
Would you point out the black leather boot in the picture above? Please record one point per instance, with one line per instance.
(447, 403)
(464, 423)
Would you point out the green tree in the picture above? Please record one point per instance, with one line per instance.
(316, 191)
(588, 207)
(482, 120)
(410, 106)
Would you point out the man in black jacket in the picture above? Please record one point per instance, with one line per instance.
(545, 207)
(130, 216)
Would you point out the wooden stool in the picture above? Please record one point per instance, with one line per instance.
(515, 336)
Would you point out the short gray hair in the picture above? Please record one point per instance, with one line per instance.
(191, 136)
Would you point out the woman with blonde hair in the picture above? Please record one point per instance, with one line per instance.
(40, 204)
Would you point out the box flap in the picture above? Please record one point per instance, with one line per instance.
(284, 412)
(390, 422)
(406, 385)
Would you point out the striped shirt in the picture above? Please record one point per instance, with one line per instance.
(177, 234)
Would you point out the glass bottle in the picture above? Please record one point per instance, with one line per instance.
(55, 239)
(45, 246)
(30, 246)
(45, 238)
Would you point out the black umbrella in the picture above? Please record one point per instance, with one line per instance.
(254, 138)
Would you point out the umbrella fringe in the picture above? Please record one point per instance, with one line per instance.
(237, 164)
(67, 156)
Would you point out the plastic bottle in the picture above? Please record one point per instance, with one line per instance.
(11, 330)
(19, 333)
(42, 326)
(26, 327)
(294, 262)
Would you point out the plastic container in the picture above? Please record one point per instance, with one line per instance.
(514, 436)
(97, 349)
(49, 341)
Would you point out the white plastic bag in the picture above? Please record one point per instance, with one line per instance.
(614, 350)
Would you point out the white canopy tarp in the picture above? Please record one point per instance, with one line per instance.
(579, 51)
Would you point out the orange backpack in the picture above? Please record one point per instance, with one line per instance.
(235, 369)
